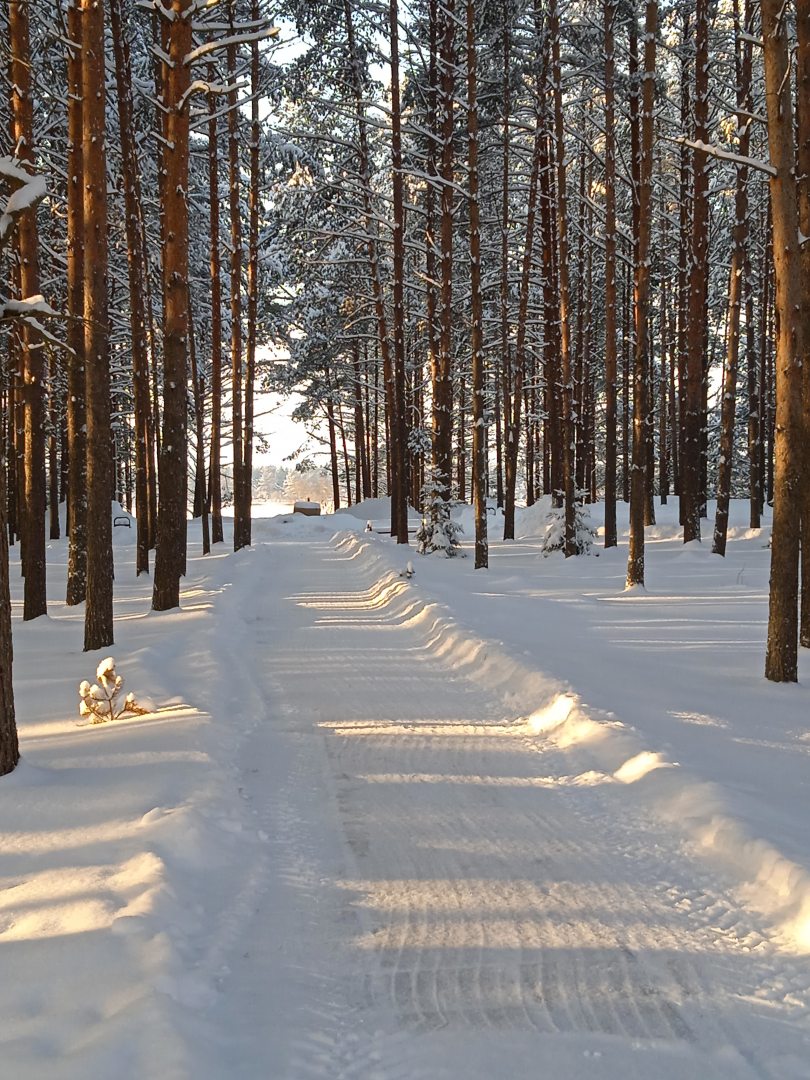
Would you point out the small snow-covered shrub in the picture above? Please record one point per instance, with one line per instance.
(438, 531)
(101, 700)
(554, 538)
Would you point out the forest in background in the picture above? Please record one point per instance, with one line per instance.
(506, 249)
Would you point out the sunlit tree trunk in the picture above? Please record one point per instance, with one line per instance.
(803, 118)
(781, 656)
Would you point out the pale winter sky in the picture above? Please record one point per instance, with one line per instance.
(284, 435)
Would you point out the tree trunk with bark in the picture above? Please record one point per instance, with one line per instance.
(98, 618)
(171, 550)
(399, 418)
(569, 497)
(215, 458)
(641, 283)
(252, 284)
(75, 407)
(32, 355)
(9, 746)
(479, 460)
(137, 302)
(442, 457)
(235, 210)
(698, 277)
(783, 614)
(803, 119)
(736, 279)
(611, 328)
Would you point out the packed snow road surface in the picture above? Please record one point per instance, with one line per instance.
(440, 896)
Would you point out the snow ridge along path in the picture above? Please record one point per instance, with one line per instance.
(441, 892)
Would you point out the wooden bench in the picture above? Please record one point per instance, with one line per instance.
(122, 519)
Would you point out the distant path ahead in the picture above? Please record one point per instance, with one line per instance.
(439, 899)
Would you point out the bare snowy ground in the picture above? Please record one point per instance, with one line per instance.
(518, 824)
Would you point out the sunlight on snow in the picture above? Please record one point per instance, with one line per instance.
(552, 715)
(637, 767)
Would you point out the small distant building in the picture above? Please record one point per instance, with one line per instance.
(311, 509)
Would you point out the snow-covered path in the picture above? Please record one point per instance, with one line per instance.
(439, 898)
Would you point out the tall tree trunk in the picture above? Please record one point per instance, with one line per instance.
(696, 350)
(252, 283)
(200, 500)
(684, 251)
(752, 365)
(170, 558)
(503, 393)
(137, 303)
(638, 480)
(98, 618)
(371, 236)
(9, 746)
(479, 461)
(551, 319)
(237, 400)
(579, 347)
(215, 465)
(399, 418)
(333, 457)
(443, 374)
(803, 117)
(516, 389)
(611, 329)
(53, 451)
(781, 656)
(736, 277)
(430, 204)
(75, 407)
(627, 363)
(664, 403)
(32, 353)
(565, 299)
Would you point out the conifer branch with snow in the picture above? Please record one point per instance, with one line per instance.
(101, 700)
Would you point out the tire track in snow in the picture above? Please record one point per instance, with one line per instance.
(480, 889)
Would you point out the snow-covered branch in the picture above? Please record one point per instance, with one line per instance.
(223, 43)
(727, 155)
(27, 191)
